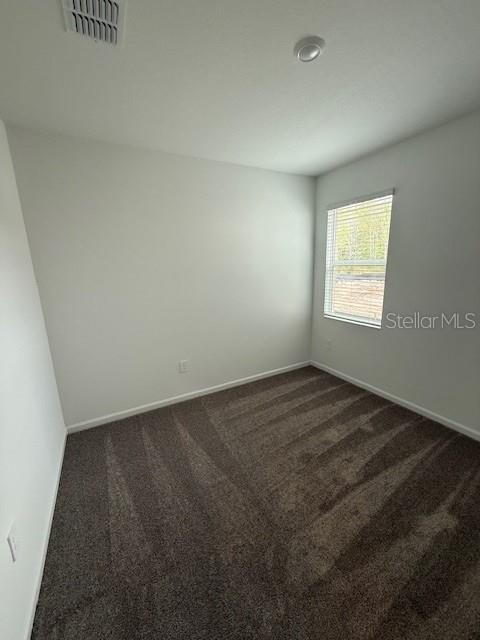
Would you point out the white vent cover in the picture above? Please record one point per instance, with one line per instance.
(100, 20)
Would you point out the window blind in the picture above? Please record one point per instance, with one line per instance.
(357, 249)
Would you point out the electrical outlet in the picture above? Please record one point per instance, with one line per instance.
(12, 540)
(183, 366)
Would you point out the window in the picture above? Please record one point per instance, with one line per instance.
(357, 247)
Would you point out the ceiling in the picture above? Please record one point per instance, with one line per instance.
(217, 78)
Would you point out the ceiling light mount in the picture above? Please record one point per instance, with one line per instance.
(309, 49)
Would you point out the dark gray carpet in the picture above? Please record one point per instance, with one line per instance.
(299, 507)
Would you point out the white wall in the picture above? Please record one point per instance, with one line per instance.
(433, 266)
(32, 432)
(145, 258)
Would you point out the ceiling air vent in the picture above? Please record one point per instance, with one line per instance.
(100, 20)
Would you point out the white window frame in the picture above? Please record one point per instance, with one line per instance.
(330, 262)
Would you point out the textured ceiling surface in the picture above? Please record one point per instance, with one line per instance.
(217, 78)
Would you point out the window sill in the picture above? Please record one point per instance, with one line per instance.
(362, 323)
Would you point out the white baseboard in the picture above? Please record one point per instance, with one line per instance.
(47, 539)
(451, 424)
(96, 422)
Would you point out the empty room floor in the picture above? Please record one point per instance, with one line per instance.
(299, 506)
